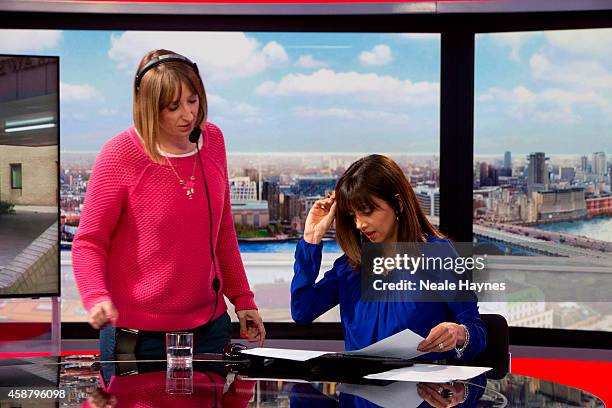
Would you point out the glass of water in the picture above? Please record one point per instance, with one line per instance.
(179, 348)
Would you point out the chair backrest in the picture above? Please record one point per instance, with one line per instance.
(496, 353)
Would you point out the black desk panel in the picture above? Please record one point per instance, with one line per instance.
(82, 381)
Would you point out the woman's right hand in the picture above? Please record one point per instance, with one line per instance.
(103, 313)
(319, 220)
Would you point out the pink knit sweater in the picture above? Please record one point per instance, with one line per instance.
(144, 245)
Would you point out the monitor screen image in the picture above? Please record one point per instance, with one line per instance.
(29, 120)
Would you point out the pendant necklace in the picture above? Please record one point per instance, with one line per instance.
(188, 185)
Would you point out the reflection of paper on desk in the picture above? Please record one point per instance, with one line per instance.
(429, 373)
(287, 354)
(397, 394)
(289, 380)
(400, 345)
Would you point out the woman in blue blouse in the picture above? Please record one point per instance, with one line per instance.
(373, 200)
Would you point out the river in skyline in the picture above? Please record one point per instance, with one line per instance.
(596, 228)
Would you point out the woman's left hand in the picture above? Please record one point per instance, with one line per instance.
(251, 326)
(445, 336)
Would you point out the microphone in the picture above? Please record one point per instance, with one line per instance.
(195, 135)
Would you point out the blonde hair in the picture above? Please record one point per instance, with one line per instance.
(158, 89)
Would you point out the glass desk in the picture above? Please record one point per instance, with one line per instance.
(82, 381)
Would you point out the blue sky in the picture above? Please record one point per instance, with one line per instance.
(326, 92)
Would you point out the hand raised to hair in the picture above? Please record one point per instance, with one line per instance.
(319, 220)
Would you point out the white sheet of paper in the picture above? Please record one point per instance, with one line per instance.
(397, 394)
(400, 345)
(287, 354)
(429, 373)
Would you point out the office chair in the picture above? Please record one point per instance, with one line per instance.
(496, 353)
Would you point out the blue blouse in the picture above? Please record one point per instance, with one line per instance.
(365, 323)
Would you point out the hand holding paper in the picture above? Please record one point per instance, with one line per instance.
(400, 345)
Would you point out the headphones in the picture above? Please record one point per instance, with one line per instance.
(161, 59)
(193, 138)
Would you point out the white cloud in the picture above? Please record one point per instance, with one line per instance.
(352, 114)
(219, 55)
(77, 92)
(594, 42)
(108, 112)
(274, 54)
(245, 109)
(513, 40)
(77, 116)
(366, 86)
(308, 61)
(17, 41)
(338, 113)
(379, 55)
(213, 99)
(584, 74)
(524, 96)
(551, 105)
(231, 110)
(567, 98)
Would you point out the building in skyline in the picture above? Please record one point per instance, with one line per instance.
(270, 192)
(507, 160)
(584, 164)
(429, 199)
(290, 207)
(313, 185)
(507, 169)
(567, 174)
(600, 166)
(252, 213)
(537, 174)
(483, 173)
(242, 189)
(559, 204)
(254, 175)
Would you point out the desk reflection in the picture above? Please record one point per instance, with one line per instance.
(145, 385)
(393, 394)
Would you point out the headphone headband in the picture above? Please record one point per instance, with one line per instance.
(161, 59)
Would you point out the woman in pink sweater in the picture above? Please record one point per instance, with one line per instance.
(156, 248)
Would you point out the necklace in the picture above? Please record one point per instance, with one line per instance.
(190, 184)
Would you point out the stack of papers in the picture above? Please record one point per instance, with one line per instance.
(400, 345)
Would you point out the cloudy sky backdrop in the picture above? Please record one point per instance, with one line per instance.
(330, 92)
